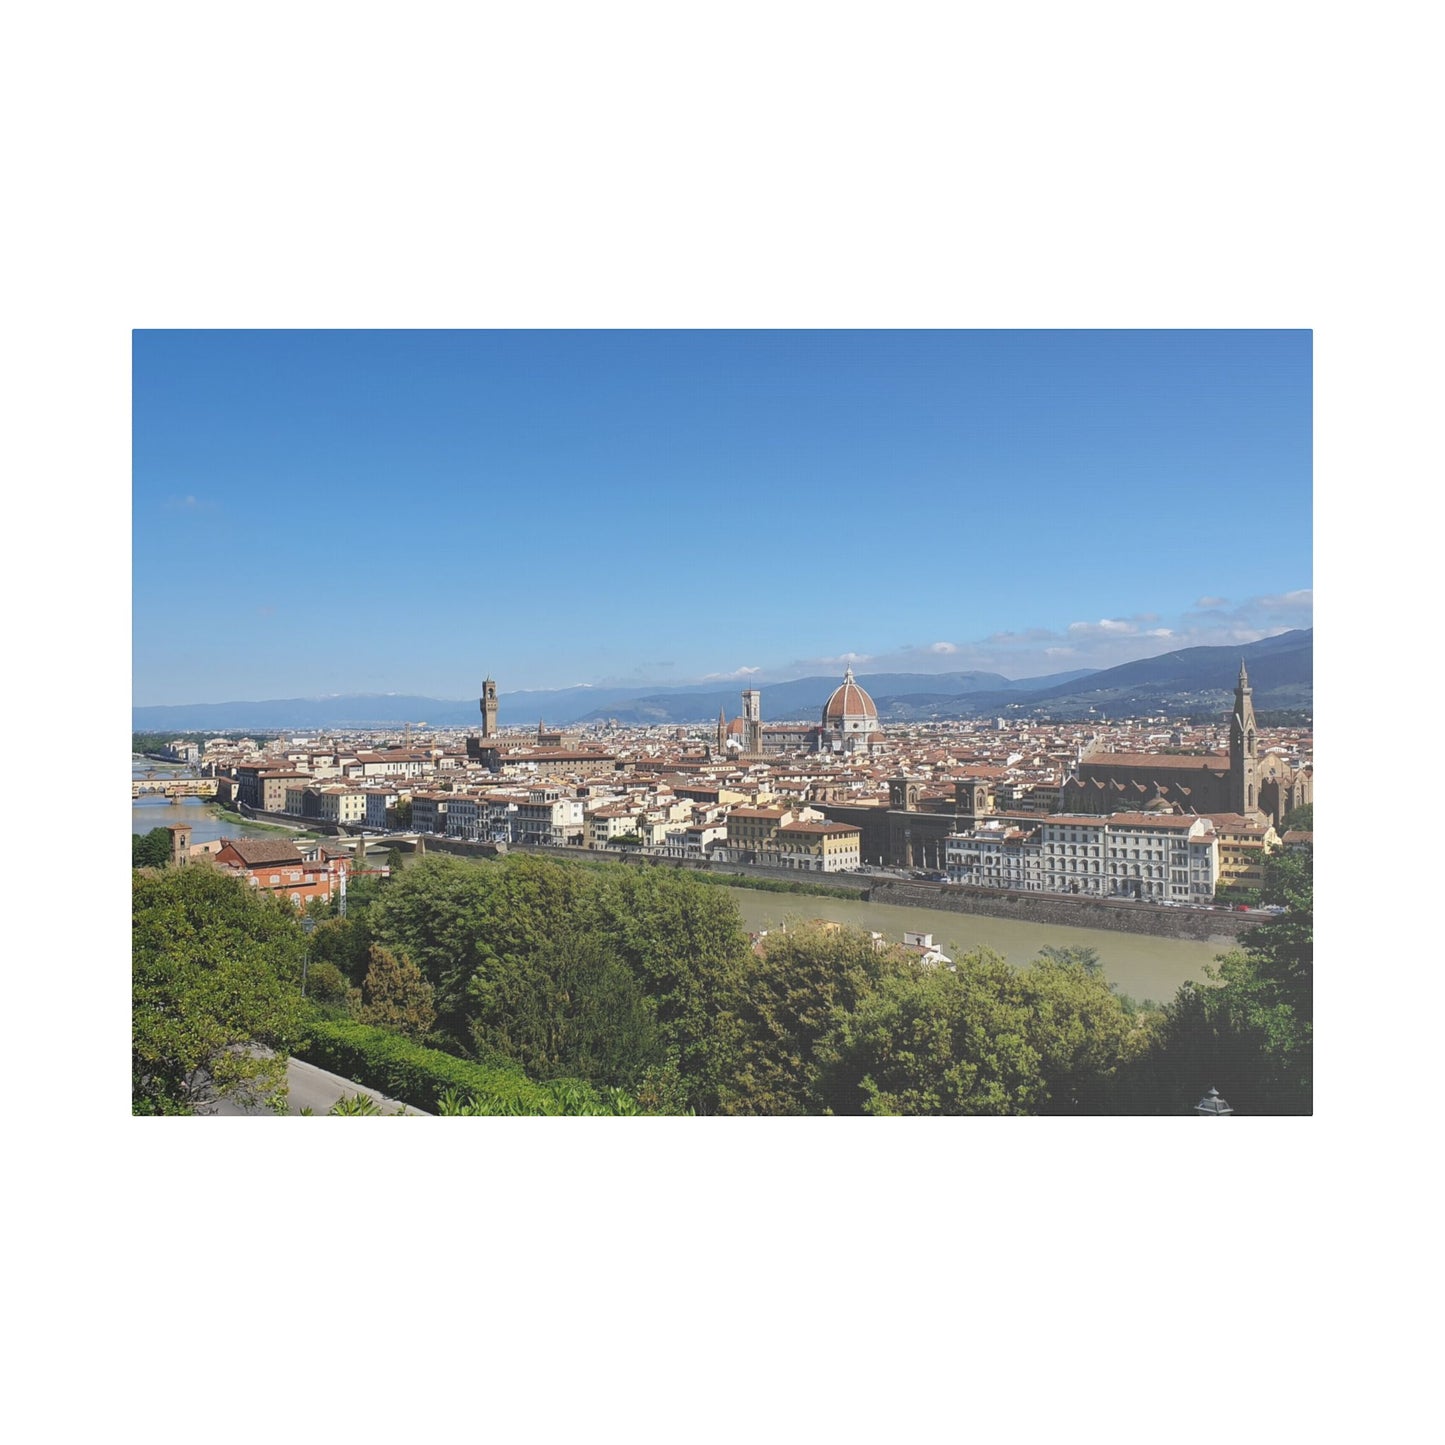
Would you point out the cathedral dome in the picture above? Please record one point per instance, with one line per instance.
(850, 705)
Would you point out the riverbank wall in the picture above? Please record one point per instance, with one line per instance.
(290, 820)
(1197, 925)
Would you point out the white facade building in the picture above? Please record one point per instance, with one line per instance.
(1153, 857)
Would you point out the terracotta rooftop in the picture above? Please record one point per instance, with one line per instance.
(256, 851)
(1214, 761)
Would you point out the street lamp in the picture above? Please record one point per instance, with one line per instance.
(1212, 1106)
(308, 925)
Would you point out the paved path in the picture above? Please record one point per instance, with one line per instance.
(315, 1089)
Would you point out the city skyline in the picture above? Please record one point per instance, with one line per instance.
(402, 508)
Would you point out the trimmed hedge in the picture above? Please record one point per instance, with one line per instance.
(419, 1076)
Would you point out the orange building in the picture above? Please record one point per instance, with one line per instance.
(279, 867)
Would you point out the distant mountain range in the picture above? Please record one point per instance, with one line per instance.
(1196, 679)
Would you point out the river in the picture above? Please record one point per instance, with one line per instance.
(1139, 965)
(153, 812)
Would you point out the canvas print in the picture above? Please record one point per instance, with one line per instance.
(735, 723)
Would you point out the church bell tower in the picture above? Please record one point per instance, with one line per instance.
(752, 722)
(1243, 748)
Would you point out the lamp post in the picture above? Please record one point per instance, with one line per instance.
(308, 925)
(1212, 1106)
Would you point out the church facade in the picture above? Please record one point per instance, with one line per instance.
(1241, 782)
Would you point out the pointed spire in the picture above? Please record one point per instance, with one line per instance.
(1243, 675)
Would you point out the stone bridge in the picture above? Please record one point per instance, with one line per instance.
(173, 787)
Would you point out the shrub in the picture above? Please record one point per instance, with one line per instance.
(325, 982)
(424, 1077)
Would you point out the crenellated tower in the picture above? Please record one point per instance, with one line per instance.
(489, 708)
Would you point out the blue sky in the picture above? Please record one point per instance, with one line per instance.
(351, 511)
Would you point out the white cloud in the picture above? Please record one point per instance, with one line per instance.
(1101, 644)
(1104, 627)
(1288, 601)
(733, 676)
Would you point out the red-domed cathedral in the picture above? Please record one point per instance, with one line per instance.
(849, 727)
(850, 721)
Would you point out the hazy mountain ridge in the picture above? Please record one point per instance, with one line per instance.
(654, 702)
(1196, 679)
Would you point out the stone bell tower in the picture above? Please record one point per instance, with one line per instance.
(489, 708)
(752, 722)
(972, 798)
(903, 794)
(1243, 749)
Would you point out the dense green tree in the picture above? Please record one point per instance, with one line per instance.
(936, 1041)
(215, 984)
(394, 995)
(981, 1038)
(1248, 1030)
(1080, 1028)
(1301, 818)
(326, 983)
(1086, 958)
(574, 1010)
(685, 945)
(150, 850)
(1283, 947)
(345, 943)
(502, 943)
(450, 918)
(794, 990)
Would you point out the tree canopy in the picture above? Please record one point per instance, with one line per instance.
(150, 850)
(394, 995)
(1249, 1030)
(642, 979)
(1301, 818)
(215, 991)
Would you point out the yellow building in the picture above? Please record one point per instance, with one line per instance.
(343, 805)
(752, 830)
(1244, 844)
(819, 847)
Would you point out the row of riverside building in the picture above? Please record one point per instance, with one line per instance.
(1193, 821)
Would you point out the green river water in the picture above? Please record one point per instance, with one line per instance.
(1138, 965)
